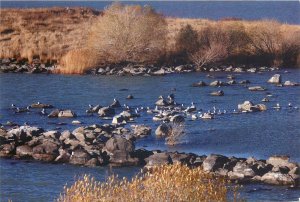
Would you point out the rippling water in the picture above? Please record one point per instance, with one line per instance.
(255, 134)
(283, 11)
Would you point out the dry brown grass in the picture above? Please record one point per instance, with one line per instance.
(78, 61)
(50, 33)
(43, 33)
(165, 183)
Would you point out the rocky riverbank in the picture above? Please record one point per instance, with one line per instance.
(14, 66)
(108, 144)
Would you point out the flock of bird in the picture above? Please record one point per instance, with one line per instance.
(171, 108)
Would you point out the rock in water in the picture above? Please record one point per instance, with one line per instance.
(106, 112)
(213, 162)
(54, 114)
(256, 88)
(158, 159)
(217, 93)
(199, 84)
(141, 130)
(275, 79)
(66, 114)
(163, 130)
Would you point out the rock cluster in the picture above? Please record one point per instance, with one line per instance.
(14, 66)
(98, 145)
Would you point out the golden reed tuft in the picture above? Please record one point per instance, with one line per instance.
(164, 183)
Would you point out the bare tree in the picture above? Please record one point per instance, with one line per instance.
(129, 34)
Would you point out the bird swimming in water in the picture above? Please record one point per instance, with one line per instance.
(277, 106)
(43, 112)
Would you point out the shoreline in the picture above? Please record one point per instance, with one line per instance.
(115, 146)
(13, 66)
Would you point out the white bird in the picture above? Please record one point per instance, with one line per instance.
(290, 104)
(194, 117)
(277, 106)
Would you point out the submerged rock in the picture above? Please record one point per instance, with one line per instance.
(217, 93)
(256, 88)
(199, 84)
(40, 105)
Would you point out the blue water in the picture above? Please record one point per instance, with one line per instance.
(255, 134)
(283, 11)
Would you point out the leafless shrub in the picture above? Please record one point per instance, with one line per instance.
(129, 34)
(208, 55)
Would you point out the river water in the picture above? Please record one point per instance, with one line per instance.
(252, 134)
(283, 11)
(255, 134)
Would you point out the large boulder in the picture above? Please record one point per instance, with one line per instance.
(24, 151)
(52, 134)
(140, 131)
(79, 157)
(54, 113)
(23, 134)
(64, 156)
(244, 169)
(275, 79)
(158, 159)
(161, 102)
(178, 119)
(7, 150)
(163, 130)
(66, 114)
(80, 137)
(281, 161)
(118, 143)
(121, 158)
(106, 112)
(120, 151)
(119, 119)
(248, 106)
(277, 178)
(290, 83)
(213, 162)
(47, 151)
